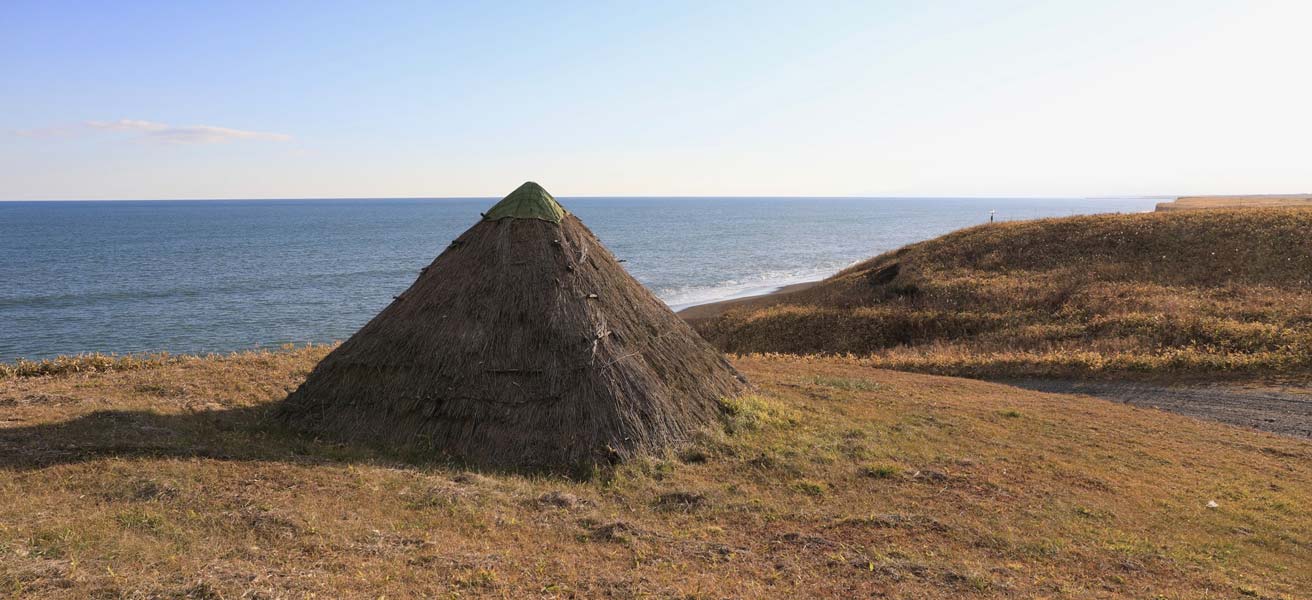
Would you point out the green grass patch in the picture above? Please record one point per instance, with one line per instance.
(881, 471)
(752, 413)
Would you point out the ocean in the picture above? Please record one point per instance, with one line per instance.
(223, 275)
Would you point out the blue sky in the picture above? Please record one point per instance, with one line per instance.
(380, 99)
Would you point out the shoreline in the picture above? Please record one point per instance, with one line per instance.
(713, 309)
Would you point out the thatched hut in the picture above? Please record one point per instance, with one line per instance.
(525, 344)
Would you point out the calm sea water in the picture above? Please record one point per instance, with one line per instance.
(213, 276)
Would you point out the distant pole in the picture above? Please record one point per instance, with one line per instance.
(991, 212)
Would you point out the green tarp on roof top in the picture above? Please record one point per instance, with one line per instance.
(528, 201)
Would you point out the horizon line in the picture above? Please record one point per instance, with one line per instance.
(672, 197)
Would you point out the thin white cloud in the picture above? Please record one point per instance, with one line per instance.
(189, 134)
(160, 132)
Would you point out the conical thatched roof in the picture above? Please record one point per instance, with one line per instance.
(528, 201)
(524, 344)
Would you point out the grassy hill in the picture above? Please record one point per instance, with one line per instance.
(1212, 294)
(163, 479)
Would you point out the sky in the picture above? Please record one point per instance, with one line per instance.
(872, 98)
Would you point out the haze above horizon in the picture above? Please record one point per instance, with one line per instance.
(870, 99)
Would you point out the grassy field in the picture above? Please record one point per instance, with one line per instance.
(1250, 201)
(1222, 294)
(163, 479)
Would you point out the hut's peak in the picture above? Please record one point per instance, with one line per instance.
(528, 201)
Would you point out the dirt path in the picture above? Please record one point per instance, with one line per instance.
(1285, 411)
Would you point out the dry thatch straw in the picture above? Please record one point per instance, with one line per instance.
(525, 344)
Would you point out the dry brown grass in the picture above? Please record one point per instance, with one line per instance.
(98, 362)
(1249, 201)
(834, 480)
(1209, 294)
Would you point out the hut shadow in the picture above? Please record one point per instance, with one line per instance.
(238, 434)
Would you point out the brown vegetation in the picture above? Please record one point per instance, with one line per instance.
(1250, 201)
(85, 363)
(1213, 294)
(833, 480)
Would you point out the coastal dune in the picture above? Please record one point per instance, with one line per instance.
(1221, 294)
(1186, 310)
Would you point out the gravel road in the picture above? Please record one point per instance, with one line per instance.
(1287, 411)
